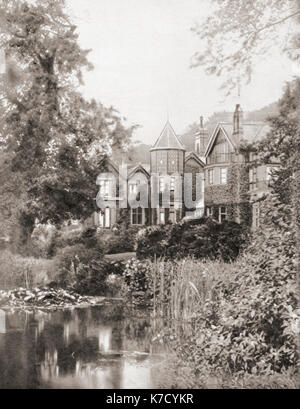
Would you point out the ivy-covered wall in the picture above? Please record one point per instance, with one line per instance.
(234, 194)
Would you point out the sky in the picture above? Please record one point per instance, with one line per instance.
(141, 51)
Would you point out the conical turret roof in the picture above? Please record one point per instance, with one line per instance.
(168, 139)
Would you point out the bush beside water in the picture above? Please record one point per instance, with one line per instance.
(86, 271)
(201, 238)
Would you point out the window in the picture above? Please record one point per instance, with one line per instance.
(137, 216)
(162, 219)
(101, 219)
(172, 214)
(198, 147)
(133, 187)
(104, 218)
(161, 184)
(222, 214)
(209, 212)
(172, 183)
(210, 176)
(104, 187)
(107, 217)
(223, 176)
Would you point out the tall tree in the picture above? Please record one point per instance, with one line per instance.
(53, 139)
(283, 142)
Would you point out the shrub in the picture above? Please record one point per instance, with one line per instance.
(203, 238)
(42, 241)
(121, 239)
(138, 279)
(68, 238)
(85, 270)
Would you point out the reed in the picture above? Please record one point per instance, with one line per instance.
(181, 287)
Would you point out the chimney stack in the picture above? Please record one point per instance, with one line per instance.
(201, 122)
(238, 121)
(201, 138)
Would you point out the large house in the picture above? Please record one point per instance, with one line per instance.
(218, 178)
(233, 182)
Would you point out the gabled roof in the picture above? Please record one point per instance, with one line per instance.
(252, 132)
(109, 165)
(144, 168)
(193, 155)
(168, 139)
(107, 162)
(221, 126)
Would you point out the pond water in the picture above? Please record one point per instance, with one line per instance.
(96, 347)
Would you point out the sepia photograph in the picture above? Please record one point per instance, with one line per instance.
(150, 197)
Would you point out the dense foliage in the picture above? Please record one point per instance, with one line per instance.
(238, 319)
(85, 270)
(251, 323)
(52, 139)
(121, 239)
(203, 238)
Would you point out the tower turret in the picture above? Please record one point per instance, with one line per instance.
(167, 154)
(167, 162)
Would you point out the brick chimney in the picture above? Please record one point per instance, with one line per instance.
(238, 121)
(201, 138)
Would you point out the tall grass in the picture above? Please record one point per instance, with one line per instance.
(27, 272)
(189, 317)
(181, 288)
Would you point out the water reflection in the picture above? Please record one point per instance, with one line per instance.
(81, 348)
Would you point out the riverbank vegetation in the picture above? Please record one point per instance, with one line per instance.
(229, 321)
